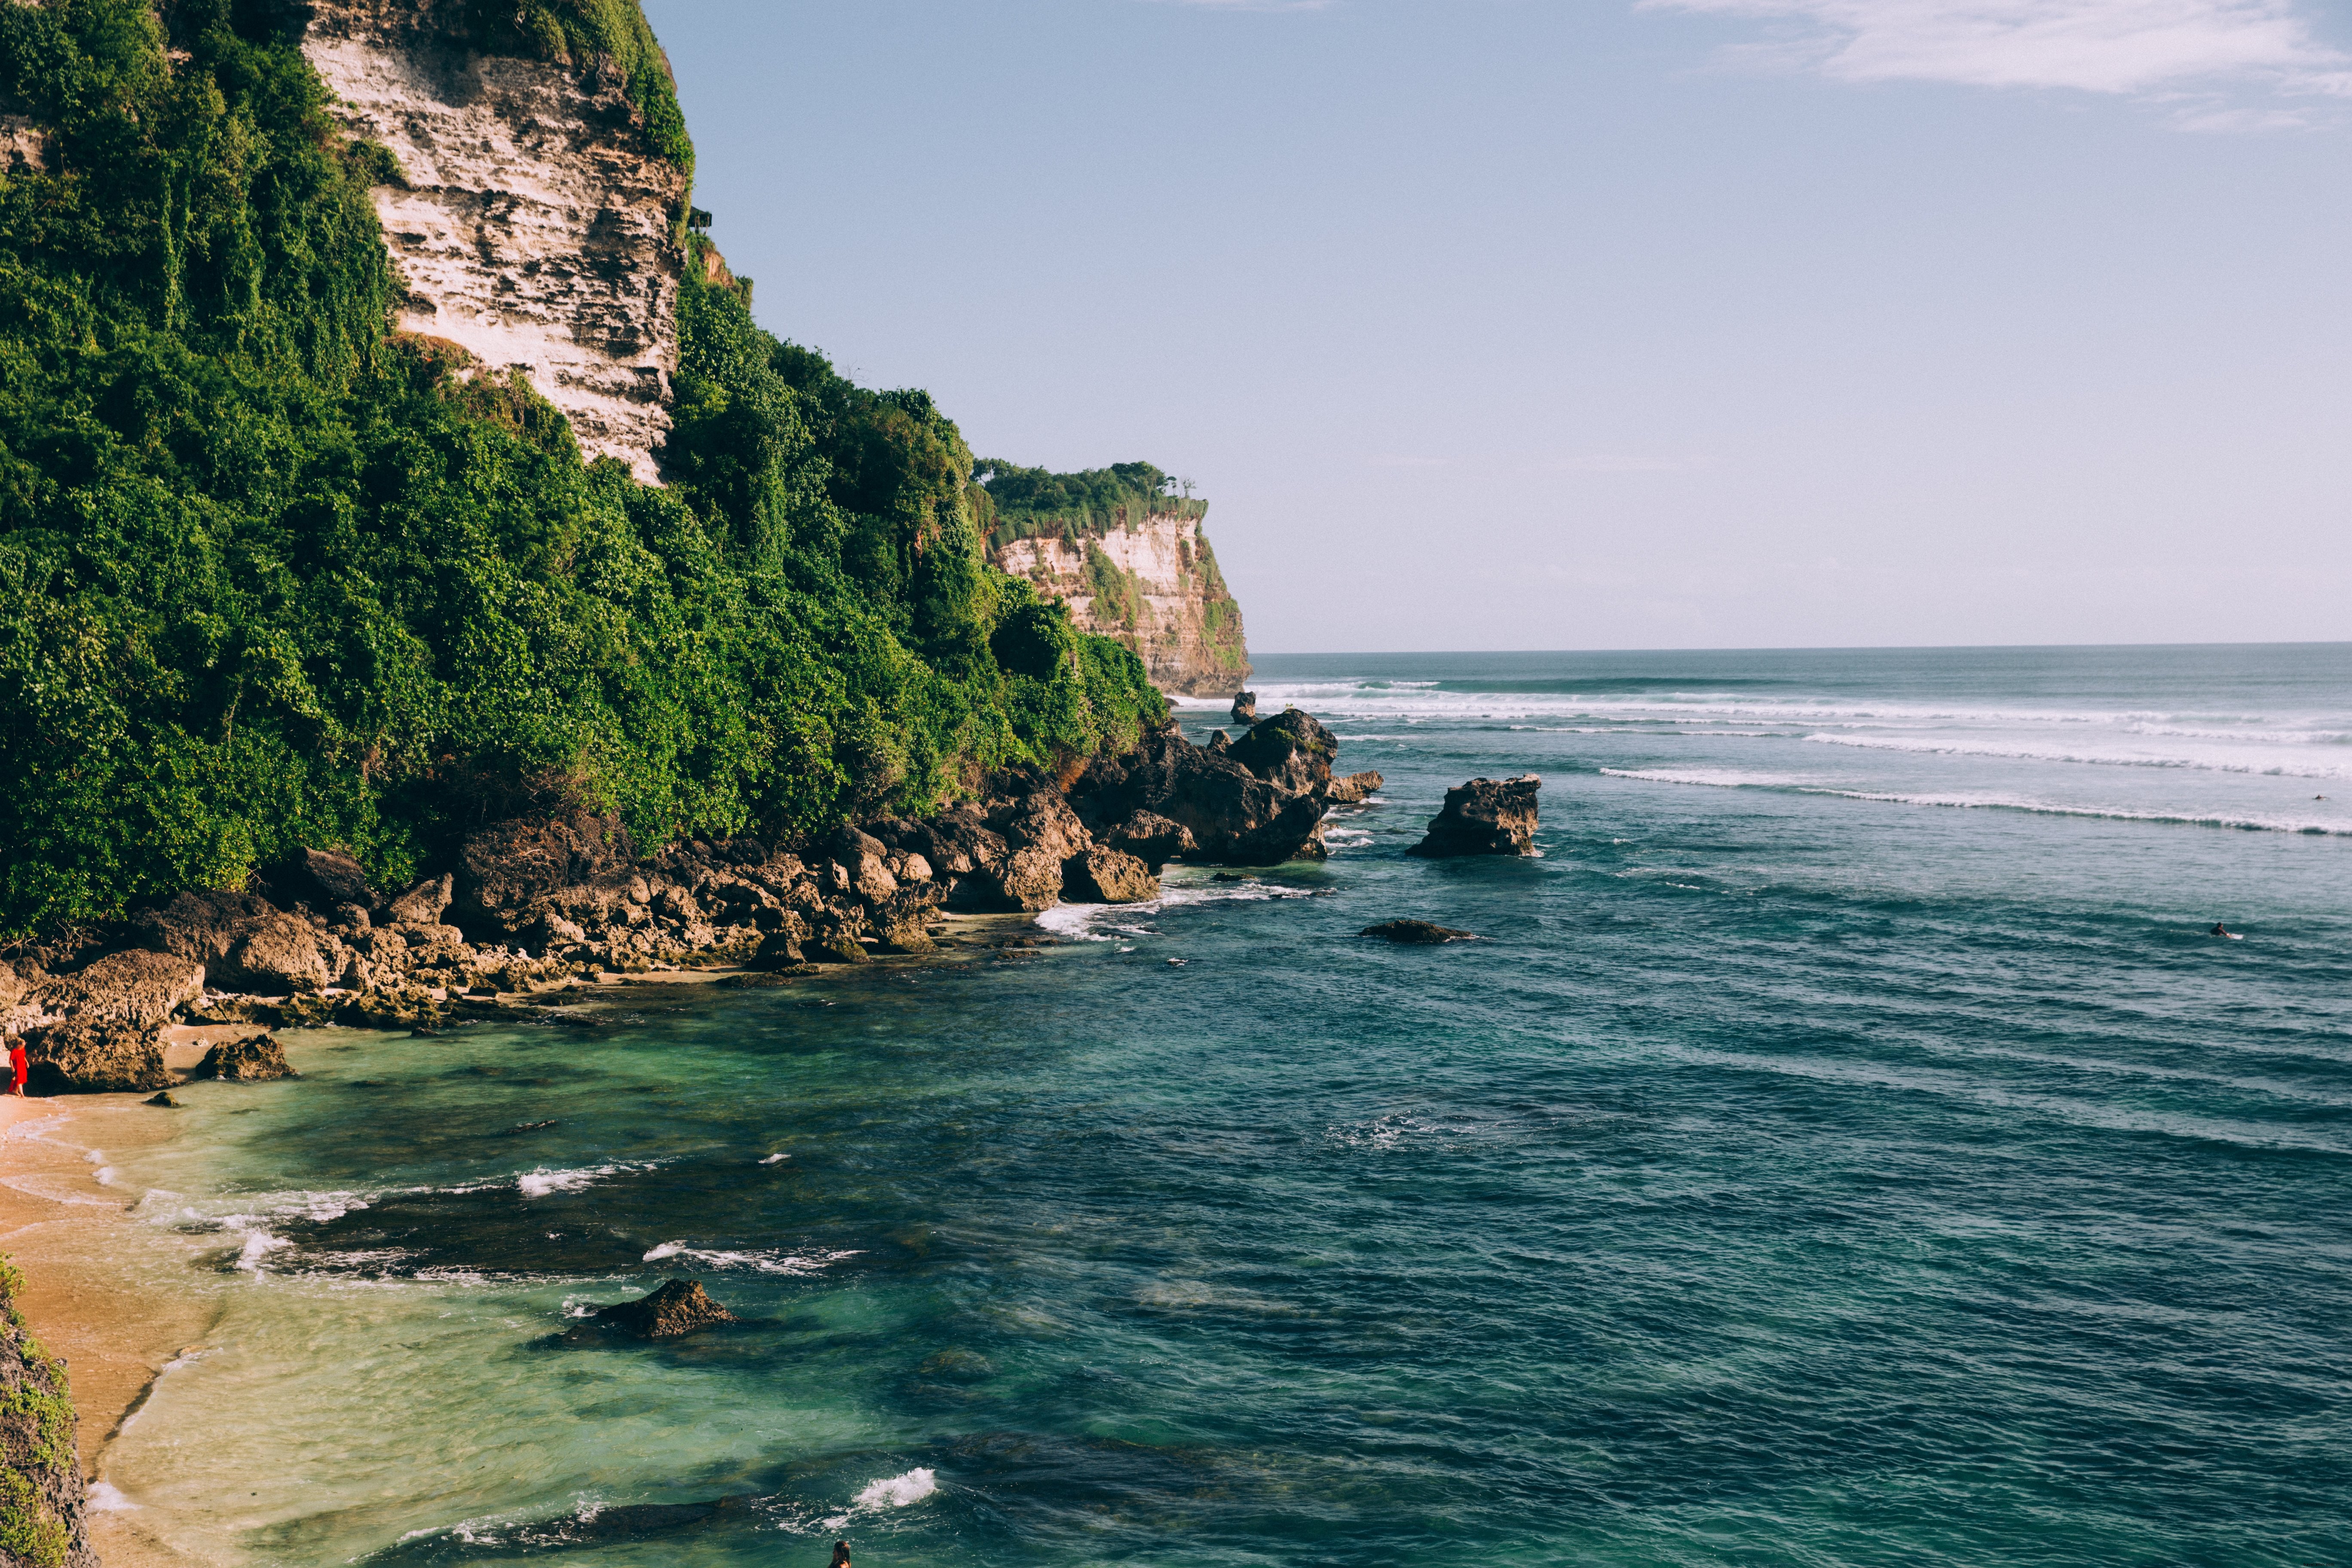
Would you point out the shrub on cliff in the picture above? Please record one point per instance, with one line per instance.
(42, 1500)
(271, 575)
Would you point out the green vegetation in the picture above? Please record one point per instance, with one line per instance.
(37, 1436)
(1022, 503)
(271, 575)
(590, 34)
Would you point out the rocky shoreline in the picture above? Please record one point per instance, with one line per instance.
(539, 905)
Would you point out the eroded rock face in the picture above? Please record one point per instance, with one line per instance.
(534, 228)
(1151, 837)
(323, 879)
(277, 955)
(200, 924)
(138, 988)
(678, 1307)
(1291, 749)
(1245, 708)
(1185, 625)
(1235, 817)
(1354, 789)
(1101, 876)
(1485, 817)
(507, 873)
(85, 1056)
(424, 904)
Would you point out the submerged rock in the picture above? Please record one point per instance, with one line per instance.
(1484, 817)
(678, 1307)
(1417, 931)
(255, 1059)
(92, 1056)
(163, 1100)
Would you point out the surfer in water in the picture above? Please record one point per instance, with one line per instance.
(2221, 929)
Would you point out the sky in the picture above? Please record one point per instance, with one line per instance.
(1601, 323)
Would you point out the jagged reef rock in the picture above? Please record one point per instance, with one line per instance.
(1151, 582)
(93, 1056)
(1484, 817)
(136, 988)
(198, 924)
(256, 1058)
(1354, 789)
(1291, 749)
(276, 954)
(424, 904)
(533, 223)
(1101, 876)
(1151, 838)
(1418, 932)
(507, 873)
(1235, 817)
(1245, 711)
(44, 1503)
(678, 1307)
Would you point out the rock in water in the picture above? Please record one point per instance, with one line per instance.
(680, 1307)
(43, 1500)
(1244, 707)
(1292, 750)
(163, 1100)
(1235, 817)
(1107, 877)
(95, 1056)
(1484, 817)
(1151, 838)
(256, 1058)
(1416, 932)
(1354, 789)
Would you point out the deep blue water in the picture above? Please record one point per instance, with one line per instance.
(1847, 1147)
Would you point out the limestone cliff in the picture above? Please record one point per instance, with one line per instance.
(1150, 580)
(533, 219)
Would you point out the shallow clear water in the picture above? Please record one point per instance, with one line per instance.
(1802, 1172)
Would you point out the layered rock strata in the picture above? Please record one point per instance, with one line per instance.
(1153, 585)
(534, 224)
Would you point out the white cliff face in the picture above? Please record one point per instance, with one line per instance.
(535, 231)
(1157, 589)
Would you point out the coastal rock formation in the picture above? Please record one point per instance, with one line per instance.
(1245, 711)
(44, 1503)
(95, 1056)
(1416, 932)
(1354, 789)
(529, 211)
(1484, 817)
(678, 1307)
(276, 953)
(1147, 580)
(1235, 817)
(1101, 876)
(256, 1058)
(318, 880)
(507, 873)
(199, 924)
(1151, 838)
(138, 988)
(1291, 749)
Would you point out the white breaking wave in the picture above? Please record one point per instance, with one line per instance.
(1079, 921)
(107, 1498)
(773, 1261)
(2026, 750)
(1732, 778)
(897, 1491)
(539, 1184)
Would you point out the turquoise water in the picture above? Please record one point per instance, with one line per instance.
(1848, 1147)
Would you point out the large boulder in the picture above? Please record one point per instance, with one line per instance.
(1041, 819)
(1029, 879)
(320, 879)
(278, 954)
(1151, 837)
(255, 1059)
(1235, 817)
(678, 1307)
(1245, 711)
(139, 988)
(1417, 932)
(425, 904)
(94, 1055)
(201, 924)
(1485, 817)
(1101, 876)
(509, 874)
(1354, 789)
(1292, 750)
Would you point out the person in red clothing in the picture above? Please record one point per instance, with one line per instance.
(17, 1066)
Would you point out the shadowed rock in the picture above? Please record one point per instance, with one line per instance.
(678, 1307)
(1418, 932)
(85, 1056)
(1292, 750)
(141, 988)
(324, 879)
(507, 873)
(1235, 817)
(1244, 710)
(200, 924)
(1103, 876)
(1151, 838)
(256, 1058)
(1484, 817)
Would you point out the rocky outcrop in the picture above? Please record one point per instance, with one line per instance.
(1354, 789)
(44, 1503)
(1235, 817)
(1485, 817)
(508, 873)
(95, 1056)
(1245, 711)
(1101, 876)
(144, 989)
(1291, 749)
(256, 1058)
(678, 1307)
(1151, 582)
(532, 221)
(1416, 932)
(275, 954)
(1151, 838)
(319, 881)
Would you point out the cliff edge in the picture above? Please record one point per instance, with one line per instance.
(1131, 560)
(43, 1502)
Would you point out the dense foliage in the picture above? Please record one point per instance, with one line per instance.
(272, 574)
(1021, 503)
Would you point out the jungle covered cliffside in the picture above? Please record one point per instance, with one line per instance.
(282, 563)
(1131, 560)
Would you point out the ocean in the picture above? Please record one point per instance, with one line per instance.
(1846, 1145)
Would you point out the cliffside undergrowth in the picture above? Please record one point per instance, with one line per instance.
(272, 574)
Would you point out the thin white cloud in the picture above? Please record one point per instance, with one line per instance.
(2164, 48)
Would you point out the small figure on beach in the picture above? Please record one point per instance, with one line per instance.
(840, 1555)
(20, 1068)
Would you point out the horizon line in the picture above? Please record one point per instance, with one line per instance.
(1786, 648)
